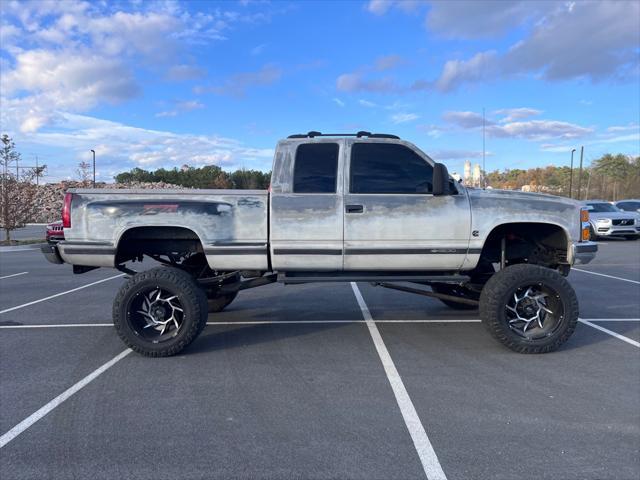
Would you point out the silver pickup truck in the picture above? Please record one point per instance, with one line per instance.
(340, 208)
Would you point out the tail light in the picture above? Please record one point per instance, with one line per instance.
(66, 210)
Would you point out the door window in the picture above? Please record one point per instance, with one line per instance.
(388, 168)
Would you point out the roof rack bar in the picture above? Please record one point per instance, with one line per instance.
(360, 134)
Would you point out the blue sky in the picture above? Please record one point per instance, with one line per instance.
(162, 84)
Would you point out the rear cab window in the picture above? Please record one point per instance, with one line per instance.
(316, 168)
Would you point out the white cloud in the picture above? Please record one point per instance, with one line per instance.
(237, 85)
(120, 147)
(73, 56)
(380, 7)
(456, 72)
(432, 131)
(355, 82)
(538, 130)
(182, 72)
(464, 119)
(404, 117)
(180, 107)
(481, 18)
(631, 127)
(529, 130)
(367, 103)
(257, 50)
(388, 62)
(568, 41)
(338, 102)
(511, 114)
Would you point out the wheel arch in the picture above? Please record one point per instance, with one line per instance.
(554, 237)
(156, 239)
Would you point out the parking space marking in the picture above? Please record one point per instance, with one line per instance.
(34, 417)
(608, 276)
(427, 454)
(257, 322)
(21, 250)
(612, 319)
(59, 294)
(610, 332)
(14, 275)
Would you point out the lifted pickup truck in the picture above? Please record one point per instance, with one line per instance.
(340, 208)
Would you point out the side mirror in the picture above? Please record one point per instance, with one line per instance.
(440, 179)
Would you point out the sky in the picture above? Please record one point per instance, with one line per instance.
(163, 84)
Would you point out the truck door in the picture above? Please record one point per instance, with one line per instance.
(392, 220)
(307, 213)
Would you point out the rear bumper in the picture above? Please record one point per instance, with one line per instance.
(584, 252)
(51, 253)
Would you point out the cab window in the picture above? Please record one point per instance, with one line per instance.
(388, 168)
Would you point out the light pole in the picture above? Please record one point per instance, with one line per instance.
(570, 175)
(580, 173)
(94, 168)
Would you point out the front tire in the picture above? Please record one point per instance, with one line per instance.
(160, 311)
(529, 308)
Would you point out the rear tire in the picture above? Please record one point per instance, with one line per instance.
(160, 311)
(529, 308)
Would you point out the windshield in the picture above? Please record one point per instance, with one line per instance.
(629, 206)
(602, 207)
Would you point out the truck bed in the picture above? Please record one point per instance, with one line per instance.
(230, 224)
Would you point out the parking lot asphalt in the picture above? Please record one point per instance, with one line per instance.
(29, 232)
(309, 397)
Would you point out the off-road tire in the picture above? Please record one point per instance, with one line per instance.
(499, 290)
(455, 290)
(192, 298)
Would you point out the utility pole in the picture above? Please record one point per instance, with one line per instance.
(580, 171)
(484, 170)
(571, 175)
(94, 168)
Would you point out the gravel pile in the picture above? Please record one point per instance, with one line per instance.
(48, 202)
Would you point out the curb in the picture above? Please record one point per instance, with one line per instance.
(17, 248)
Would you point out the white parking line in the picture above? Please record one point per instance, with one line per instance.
(608, 276)
(34, 417)
(612, 319)
(610, 332)
(21, 250)
(59, 294)
(423, 446)
(14, 275)
(257, 322)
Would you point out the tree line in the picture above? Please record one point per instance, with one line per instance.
(610, 177)
(210, 176)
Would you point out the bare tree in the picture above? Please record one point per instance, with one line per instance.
(84, 172)
(17, 193)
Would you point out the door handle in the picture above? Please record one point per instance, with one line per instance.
(354, 208)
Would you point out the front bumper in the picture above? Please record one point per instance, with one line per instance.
(616, 230)
(584, 252)
(51, 253)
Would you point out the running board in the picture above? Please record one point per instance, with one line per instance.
(290, 278)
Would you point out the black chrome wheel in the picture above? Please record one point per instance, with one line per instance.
(534, 311)
(156, 314)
